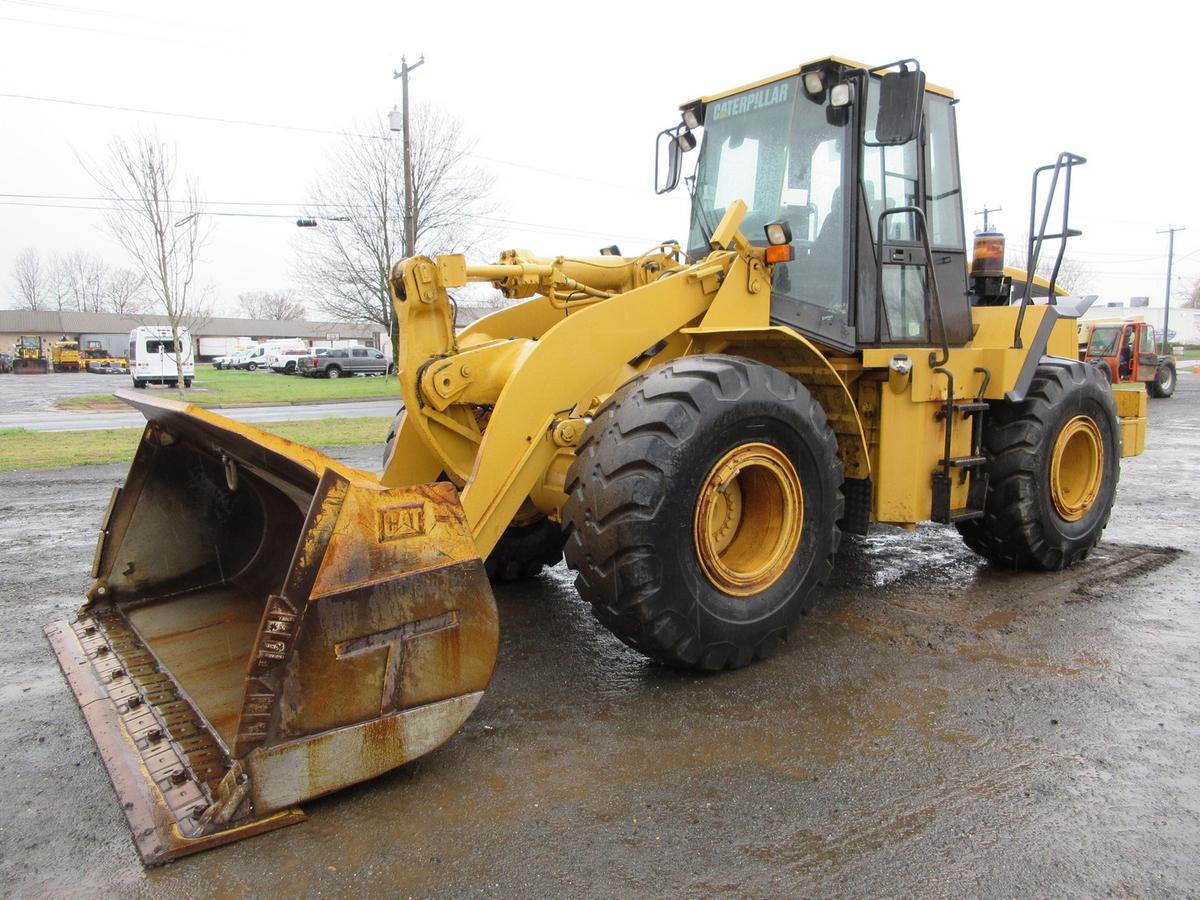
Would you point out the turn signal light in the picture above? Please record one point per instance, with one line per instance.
(780, 253)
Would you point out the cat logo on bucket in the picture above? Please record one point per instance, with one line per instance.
(399, 522)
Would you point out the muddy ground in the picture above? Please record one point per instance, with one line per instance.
(939, 727)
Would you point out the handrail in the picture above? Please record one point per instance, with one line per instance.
(1067, 161)
(934, 361)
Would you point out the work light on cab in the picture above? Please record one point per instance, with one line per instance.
(779, 242)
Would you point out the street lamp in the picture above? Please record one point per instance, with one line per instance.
(311, 221)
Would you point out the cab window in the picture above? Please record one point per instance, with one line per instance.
(1103, 342)
(1147, 340)
(944, 190)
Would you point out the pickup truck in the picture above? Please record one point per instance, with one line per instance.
(344, 361)
(285, 360)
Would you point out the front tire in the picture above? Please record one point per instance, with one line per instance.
(1163, 385)
(1053, 465)
(702, 511)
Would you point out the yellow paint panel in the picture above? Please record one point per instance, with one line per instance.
(911, 442)
(837, 60)
(1131, 407)
(1133, 436)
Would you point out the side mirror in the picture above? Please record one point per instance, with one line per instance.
(671, 144)
(901, 95)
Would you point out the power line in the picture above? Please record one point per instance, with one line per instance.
(303, 129)
(89, 11)
(125, 34)
(541, 227)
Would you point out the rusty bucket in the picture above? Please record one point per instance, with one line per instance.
(267, 625)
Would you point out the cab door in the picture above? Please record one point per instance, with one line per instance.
(1147, 358)
(924, 174)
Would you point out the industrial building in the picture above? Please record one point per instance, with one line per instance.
(214, 336)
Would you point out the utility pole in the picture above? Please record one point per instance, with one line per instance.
(984, 212)
(1170, 260)
(410, 217)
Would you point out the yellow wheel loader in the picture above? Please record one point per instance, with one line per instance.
(697, 426)
(29, 356)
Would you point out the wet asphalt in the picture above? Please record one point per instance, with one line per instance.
(938, 727)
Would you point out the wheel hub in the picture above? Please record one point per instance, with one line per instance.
(1076, 468)
(748, 519)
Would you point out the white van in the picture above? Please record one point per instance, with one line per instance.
(152, 356)
(260, 356)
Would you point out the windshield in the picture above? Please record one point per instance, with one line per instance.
(1103, 342)
(782, 153)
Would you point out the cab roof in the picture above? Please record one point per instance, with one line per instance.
(835, 60)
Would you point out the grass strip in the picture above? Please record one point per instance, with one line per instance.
(220, 388)
(23, 449)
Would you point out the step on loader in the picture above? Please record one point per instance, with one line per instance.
(695, 427)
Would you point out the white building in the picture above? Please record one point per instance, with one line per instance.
(1184, 324)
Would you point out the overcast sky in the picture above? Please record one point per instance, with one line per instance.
(564, 106)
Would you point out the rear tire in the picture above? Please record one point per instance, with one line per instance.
(1163, 385)
(1053, 465)
(333, 372)
(702, 511)
(140, 385)
(187, 382)
(523, 550)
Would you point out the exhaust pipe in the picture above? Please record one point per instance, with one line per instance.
(267, 625)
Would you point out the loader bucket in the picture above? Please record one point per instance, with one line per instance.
(24, 366)
(267, 625)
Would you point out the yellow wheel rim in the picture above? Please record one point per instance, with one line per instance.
(1076, 468)
(749, 515)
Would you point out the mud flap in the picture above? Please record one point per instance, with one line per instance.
(268, 625)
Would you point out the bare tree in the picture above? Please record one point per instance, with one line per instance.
(277, 305)
(82, 276)
(156, 219)
(1073, 276)
(1192, 299)
(32, 281)
(125, 292)
(360, 202)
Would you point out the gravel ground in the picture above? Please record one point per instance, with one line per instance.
(938, 728)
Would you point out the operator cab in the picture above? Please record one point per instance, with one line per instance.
(859, 162)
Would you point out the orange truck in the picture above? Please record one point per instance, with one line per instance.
(1125, 351)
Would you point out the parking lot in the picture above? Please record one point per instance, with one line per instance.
(939, 727)
(21, 394)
